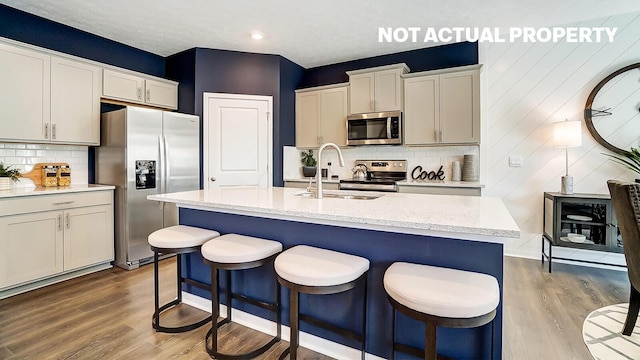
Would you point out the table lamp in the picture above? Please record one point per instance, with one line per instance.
(567, 134)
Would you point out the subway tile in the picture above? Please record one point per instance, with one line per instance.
(79, 153)
(35, 146)
(63, 154)
(15, 146)
(25, 153)
(7, 152)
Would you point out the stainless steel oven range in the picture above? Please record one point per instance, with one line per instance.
(379, 175)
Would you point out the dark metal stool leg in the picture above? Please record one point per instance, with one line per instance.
(364, 319)
(215, 308)
(179, 273)
(229, 295)
(156, 313)
(430, 342)
(215, 299)
(155, 322)
(294, 308)
(393, 334)
(279, 311)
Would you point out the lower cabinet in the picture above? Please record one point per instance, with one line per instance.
(440, 190)
(87, 237)
(38, 244)
(32, 247)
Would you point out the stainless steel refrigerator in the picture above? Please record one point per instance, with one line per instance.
(143, 152)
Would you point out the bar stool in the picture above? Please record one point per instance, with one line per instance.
(439, 297)
(238, 252)
(311, 270)
(179, 239)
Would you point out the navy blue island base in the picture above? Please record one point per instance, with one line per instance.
(382, 249)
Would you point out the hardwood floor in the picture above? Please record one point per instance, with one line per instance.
(107, 316)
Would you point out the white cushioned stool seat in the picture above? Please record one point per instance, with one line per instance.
(441, 291)
(235, 249)
(180, 236)
(311, 266)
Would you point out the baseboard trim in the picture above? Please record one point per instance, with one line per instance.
(309, 341)
(53, 280)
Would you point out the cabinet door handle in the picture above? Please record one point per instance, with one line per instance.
(373, 105)
(59, 222)
(441, 135)
(53, 131)
(148, 95)
(46, 131)
(68, 221)
(63, 203)
(140, 94)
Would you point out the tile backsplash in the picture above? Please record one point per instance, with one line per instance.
(430, 158)
(22, 156)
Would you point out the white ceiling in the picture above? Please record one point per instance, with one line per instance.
(308, 32)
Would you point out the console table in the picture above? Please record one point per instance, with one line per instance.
(590, 215)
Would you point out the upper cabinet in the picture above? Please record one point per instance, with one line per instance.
(75, 102)
(442, 107)
(24, 94)
(321, 116)
(47, 97)
(376, 89)
(53, 99)
(127, 87)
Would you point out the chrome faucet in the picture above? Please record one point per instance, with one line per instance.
(319, 173)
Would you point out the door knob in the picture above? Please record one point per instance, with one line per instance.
(212, 179)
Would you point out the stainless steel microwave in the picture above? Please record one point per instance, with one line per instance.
(381, 128)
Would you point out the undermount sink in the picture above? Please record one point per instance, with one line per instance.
(312, 195)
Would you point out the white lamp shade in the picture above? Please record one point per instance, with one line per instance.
(567, 134)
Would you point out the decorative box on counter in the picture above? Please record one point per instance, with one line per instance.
(50, 174)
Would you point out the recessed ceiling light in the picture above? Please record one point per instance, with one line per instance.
(256, 35)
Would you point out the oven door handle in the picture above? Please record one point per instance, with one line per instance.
(389, 127)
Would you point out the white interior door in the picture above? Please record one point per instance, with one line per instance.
(237, 140)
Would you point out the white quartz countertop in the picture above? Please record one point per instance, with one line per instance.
(465, 217)
(34, 191)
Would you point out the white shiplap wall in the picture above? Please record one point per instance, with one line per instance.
(528, 87)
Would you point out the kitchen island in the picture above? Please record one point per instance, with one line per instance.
(458, 232)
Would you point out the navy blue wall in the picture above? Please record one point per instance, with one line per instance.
(209, 70)
(290, 78)
(20, 26)
(431, 58)
(181, 67)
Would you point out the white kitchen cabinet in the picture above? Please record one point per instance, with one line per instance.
(51, 98)
(48, 237)
(75, 102)
(88, 236)
(376, 89)
(321, 116)
(128, 87)
(442, 107)
(441, 190)
(24, 94)
(32, 247)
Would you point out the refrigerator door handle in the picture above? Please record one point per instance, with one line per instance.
(161, 164)
(167, 164)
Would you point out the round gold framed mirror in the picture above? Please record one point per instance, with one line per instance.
(612, 111)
